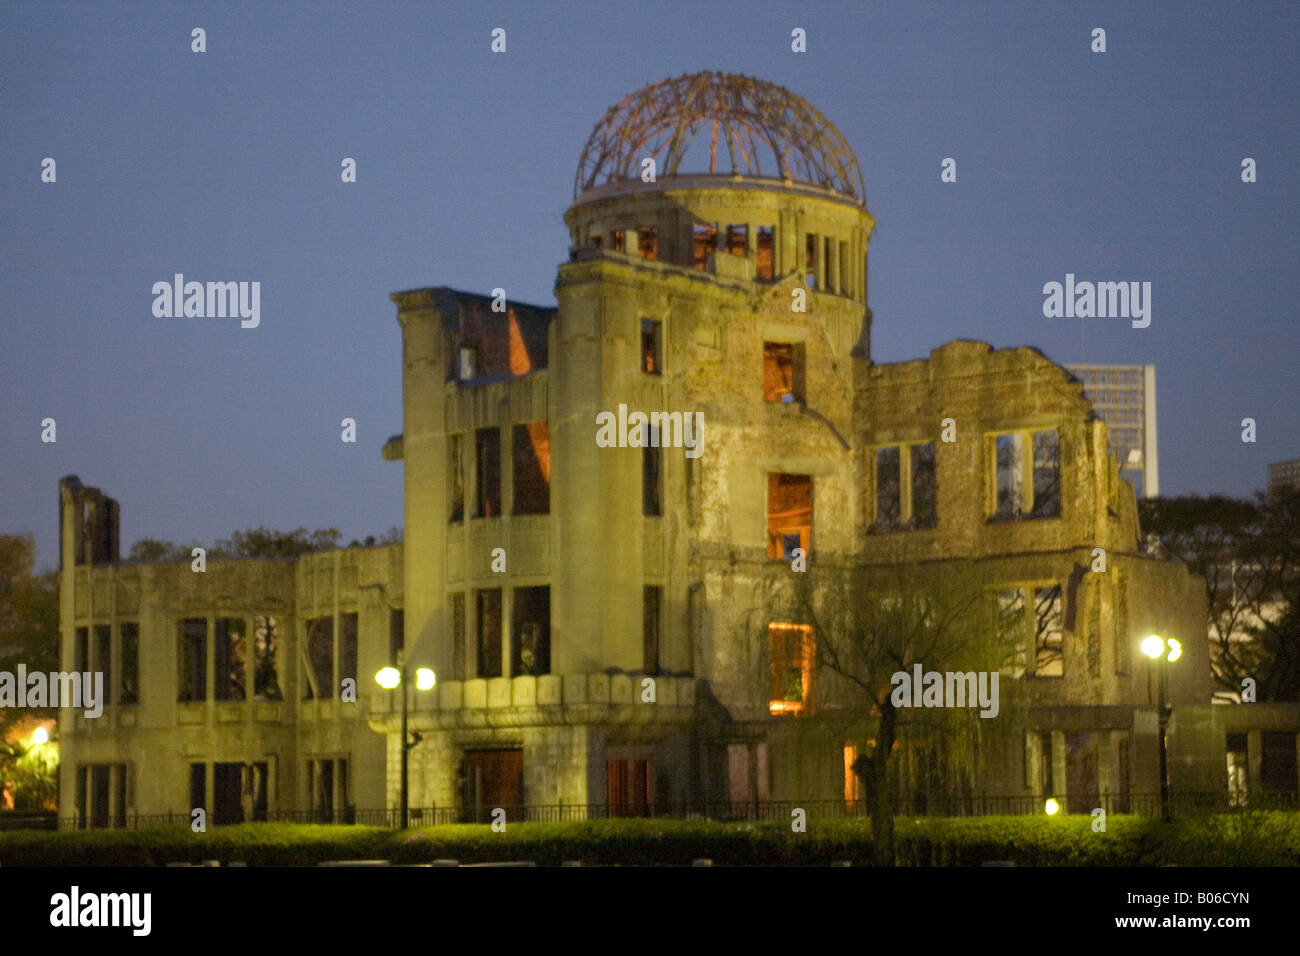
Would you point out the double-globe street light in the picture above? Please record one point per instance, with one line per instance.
(391, 678)
(1166, 651)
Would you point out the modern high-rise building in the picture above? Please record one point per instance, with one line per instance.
(1124, 397)
(610, 506)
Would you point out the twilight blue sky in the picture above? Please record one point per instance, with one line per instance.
(225, 166)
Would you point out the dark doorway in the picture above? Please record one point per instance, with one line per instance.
(491, 779)
(1081, 787)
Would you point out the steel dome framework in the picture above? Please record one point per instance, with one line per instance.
(742, 117)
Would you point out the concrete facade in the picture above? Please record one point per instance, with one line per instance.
(591, 611)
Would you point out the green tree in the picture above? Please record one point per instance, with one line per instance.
(871, 624)
(29, 634)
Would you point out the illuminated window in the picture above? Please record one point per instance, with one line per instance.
(532, 461)
(851, 780)
(704, 238)
(764, 266)
(1027, 475)
(783, 364)
(738, 240)
(792, 651)
(647, 243)
(652, 346)
(1030, 627)
(619, 240)
(789, 515)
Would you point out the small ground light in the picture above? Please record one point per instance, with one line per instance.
(1051, 806)
(388, 677)
(424, 679)
(40, 736)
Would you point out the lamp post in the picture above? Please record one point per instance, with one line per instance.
(1155, 648)
(393, 677)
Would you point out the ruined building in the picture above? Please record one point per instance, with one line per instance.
(600, 619)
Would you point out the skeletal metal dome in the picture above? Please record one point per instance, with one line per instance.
(733, 124)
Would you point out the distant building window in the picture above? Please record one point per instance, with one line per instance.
(783, 371)
(789, 515)
(228, 662)
(320, 659)
(905, 488)
(129, 688)
(619, 240)
(487, 620)
(456, 476)
(1027, 475)
(531, 610)
(193, 660)
(532, 468)
(487, 473)
(738, 240)
(765, 263)
(792, 654)
(266, 651)
(704, 241)
(651, 614)
(652, 346)
(647, 243)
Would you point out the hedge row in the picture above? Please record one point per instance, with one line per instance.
(1240, 839)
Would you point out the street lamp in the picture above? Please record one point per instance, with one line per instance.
(1165, 651)
(391, 678)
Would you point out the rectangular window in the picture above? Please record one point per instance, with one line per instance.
(104, 653)
(704, 242)
(1048, 632)
(851, 790)
(228, 664)
(845, 282)
(620, 240)
(81, 650)
(266, 651)
(532, 461)
(738, 240)
(227, 793)
(397, 635)
(467, 363)
(810, 260)
(128, 691)
(456, 476)
(1238, 769)
(458, 636)
(531, 612)
(647, 243)
(320, 659)
(1047, 475)
(487, 620)
(924, 486)
(791, 653)
(598, 240)
(1046, 762)
(651, 598)
(783, 364)
(487, 478)
(652, 347)
(198, 786)
(652, 481)
(1011, 631)
(765, 262)
(1009, 476)
(889, 490)
(789, 515)
(100, 777)
(628, 788)
(1027, 475)
(193, 681)
(347, 648)
(828, 263)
